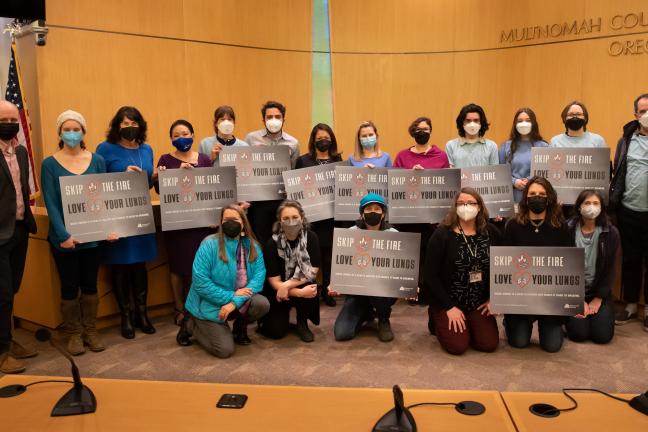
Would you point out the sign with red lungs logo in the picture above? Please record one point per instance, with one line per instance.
(259, 170)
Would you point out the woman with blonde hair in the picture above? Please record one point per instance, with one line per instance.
(367, 151)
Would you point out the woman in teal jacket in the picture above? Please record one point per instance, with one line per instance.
(228, 273)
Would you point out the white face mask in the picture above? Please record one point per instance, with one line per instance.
(643, 120)
(274, 125)
(467, 213)
(472, 128)
(590, 211)
(523, 127)
(226, 127)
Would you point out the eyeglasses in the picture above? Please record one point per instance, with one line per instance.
(470, 203)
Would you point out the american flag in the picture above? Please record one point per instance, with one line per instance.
(15, 95)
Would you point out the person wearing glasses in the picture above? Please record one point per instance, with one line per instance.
(575, 118)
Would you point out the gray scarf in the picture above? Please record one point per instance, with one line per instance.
(297, 263)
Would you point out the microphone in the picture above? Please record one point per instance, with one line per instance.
(399, 418)
(79, 399)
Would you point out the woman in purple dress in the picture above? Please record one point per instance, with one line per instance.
(182, 244)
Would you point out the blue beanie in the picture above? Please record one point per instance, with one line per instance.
(372, 198)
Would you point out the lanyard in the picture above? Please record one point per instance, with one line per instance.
(473, 254)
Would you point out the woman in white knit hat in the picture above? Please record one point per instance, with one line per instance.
(77, 263)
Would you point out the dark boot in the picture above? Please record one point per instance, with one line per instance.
(385, 333)
(121, 289)
(304, 332)
(140, 293)
(328, 300)
(239, 331)
(183, 338)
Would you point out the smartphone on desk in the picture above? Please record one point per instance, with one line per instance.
(229, 400)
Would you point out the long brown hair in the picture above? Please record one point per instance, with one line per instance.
(554, 214)
(515, 136)
(481, 221)
(247, 229)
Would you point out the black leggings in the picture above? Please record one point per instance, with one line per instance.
(78, 270)
(599, 328)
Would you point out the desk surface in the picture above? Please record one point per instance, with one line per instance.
(595, 412)
(179, 406)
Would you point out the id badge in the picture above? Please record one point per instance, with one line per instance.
(475, 276)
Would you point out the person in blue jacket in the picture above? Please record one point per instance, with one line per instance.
(228, 274)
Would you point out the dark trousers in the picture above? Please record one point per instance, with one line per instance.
(276, 323)
(518, 331)
(481, 332)
(12, 265)
(262, 215)
(78, 270)
(599, 328)
(426, 231)
(325, 255)
(633, 227)
(358, 309)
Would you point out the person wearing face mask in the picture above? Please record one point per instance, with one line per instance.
(77, 263)
(322, 149)
(16, 222)
(228, 275)
(359, 309)
(629, 202)
(125, 149)
(600, 240)
(292, 258)
(181, 245)
(367, 149)
(575, 118)
(457, 277)
(539, 222)
(224, 119)
(273, 134)
(422, 155)
(471, 149)
(525, 135)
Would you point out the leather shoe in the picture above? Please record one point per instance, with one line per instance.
(10, 365)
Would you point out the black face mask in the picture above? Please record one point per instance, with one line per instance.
(129, 133)
(323, 145)
(574, 123)
(372, 218)
(8, 131)
(231, 228)
(422, 137)
(537, 204)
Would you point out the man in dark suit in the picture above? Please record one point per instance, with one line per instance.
(16, 222)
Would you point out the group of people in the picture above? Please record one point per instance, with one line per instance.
(263, 258)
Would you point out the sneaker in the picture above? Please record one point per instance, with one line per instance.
(385, 333)
(10, 365)
(20, 351)
(624, 317)
(304, 332)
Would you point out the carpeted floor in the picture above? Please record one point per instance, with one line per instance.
(413, 360)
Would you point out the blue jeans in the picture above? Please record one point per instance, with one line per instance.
(357, 310)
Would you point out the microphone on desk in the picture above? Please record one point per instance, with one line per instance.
(79, 399)
(398, 419)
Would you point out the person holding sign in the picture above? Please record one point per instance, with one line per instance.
(575, 118)
(292, 258)
(629, 200)
(600, 239)
(359, 309)
(422, 155)
(538, 222)
(322, 149)
(228, 274)
(16, 222)
(224, 119)
(457, 277)
(367, 151)
(471, 148)
(77, 263)
(525, 135)
(181, 244)
(125, 149)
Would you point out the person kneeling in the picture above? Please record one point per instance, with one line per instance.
(457, 277)
(359, 309)
(228, 273)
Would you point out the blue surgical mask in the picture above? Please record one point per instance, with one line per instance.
(183, 143)
(72, 138)
(368, 142)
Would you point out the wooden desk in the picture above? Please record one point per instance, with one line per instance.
(176, 406)
(595, 412)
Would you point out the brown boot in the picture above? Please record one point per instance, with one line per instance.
(10, 365)
(72, 328)
(20, 351)
(89, 304)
